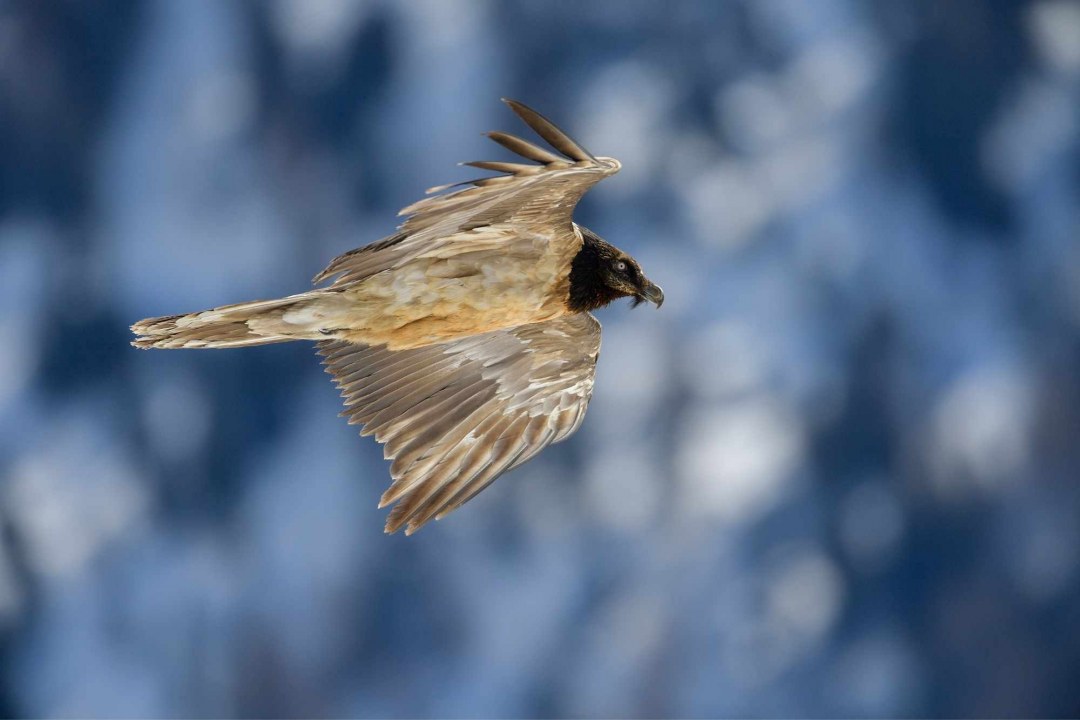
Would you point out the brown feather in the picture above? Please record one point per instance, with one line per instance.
(485, 404)
(506, 167)
(552, 134)
(524, 148)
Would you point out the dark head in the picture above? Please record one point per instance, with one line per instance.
(602, 272)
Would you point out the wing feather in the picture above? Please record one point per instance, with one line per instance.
(547, 130)
(535, 199)
(524, 148)
(455, 416)
(501, 456)
(463, 460)
(505, 167)
(481, 456)
(535, 436)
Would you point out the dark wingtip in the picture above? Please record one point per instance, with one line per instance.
(549, 131)
(524, 148)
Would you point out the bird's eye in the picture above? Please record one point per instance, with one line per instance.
(620, 266)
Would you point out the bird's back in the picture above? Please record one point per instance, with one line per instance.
(485, 279)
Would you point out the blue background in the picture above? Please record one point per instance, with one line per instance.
(837, 473)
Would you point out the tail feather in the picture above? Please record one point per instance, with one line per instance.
(253, 323)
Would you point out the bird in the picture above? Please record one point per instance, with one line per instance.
(465, 341)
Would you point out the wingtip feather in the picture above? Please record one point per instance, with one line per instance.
(550, 132)
(523, 147)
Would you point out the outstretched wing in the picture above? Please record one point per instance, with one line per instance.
(455, 416)
(530, 198)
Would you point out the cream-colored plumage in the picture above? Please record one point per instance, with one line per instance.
(479, 280)
(456, 341)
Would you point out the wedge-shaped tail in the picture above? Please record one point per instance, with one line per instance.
(252, 323)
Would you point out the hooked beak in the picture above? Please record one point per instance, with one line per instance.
(652, 292)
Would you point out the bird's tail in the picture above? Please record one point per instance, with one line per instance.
(261, 322)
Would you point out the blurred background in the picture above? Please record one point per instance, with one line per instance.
(835, 475)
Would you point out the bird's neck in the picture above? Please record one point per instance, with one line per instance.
(588, 291)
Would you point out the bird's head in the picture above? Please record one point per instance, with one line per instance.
(623, 275)
(602, 272)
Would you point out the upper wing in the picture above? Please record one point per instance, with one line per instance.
(455, 416)
(532, 198)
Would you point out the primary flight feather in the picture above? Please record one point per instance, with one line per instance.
(463, 342)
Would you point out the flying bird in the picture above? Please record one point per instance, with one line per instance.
(464, 342)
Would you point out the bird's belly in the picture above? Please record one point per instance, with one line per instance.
(439, 299)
